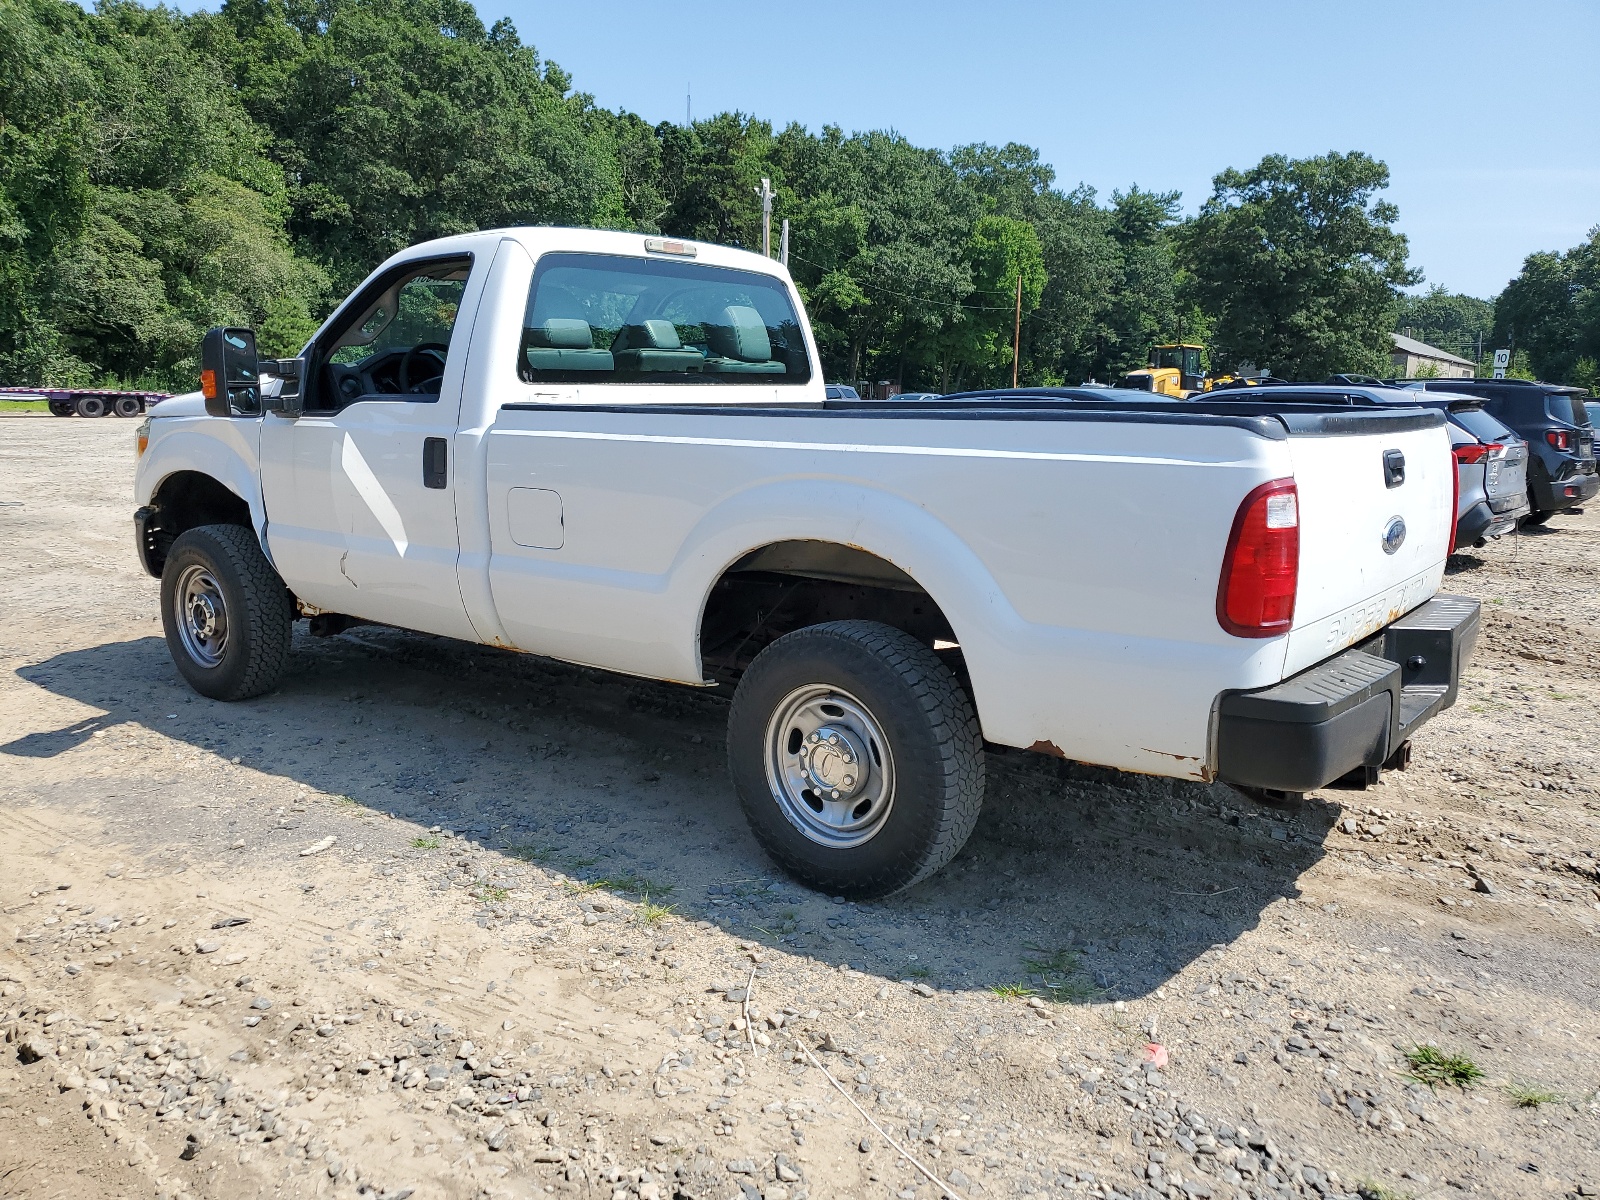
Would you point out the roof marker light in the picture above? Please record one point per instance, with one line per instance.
(669, 246)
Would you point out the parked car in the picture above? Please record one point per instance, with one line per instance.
(1552, 419)
(841, 391)
(613, 450)
(1494, 474)
(1491, 461)
(915, 396)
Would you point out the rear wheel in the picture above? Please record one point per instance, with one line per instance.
(857, 757)
(127, 406)
(226, 613)
(60, 408)
(90, 406)
(1538, 516)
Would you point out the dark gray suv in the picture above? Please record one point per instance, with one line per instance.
(1551, 418)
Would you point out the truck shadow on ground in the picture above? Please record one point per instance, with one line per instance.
(1079, 882)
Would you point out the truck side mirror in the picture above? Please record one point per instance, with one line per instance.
(229, 373)
(288, 398)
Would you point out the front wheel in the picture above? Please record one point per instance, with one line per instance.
(857, 757)
(226, 613)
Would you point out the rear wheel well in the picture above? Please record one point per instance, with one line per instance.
(791, 585)
(184, 501)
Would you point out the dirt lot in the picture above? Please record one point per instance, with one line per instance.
(437, 920)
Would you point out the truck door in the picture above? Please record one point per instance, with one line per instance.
(360, 488)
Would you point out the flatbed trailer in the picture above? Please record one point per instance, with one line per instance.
(87, 402)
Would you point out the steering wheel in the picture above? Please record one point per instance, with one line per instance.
(411, 355)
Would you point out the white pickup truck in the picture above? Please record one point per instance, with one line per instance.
(616, 450)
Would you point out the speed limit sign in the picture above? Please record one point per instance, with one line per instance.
(1502, 360)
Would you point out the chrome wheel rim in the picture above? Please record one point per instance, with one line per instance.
(202, 616)
(829, 766)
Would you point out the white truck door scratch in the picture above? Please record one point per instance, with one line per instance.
(372, 493)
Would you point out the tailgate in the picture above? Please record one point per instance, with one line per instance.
(1506, 474)
(1377, 501)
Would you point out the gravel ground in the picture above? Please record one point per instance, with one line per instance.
(439, 920)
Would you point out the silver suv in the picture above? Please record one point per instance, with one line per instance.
(1492, 465)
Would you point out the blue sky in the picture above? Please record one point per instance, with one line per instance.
(1487, 114)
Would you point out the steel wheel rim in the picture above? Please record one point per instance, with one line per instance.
(201, 616)
(829, 766)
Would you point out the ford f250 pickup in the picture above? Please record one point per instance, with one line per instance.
(616, 450)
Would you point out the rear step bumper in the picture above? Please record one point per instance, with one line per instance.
(1353, 711)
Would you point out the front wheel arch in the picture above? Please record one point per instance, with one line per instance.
(187, 500)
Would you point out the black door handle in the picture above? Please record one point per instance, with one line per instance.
(435, 462)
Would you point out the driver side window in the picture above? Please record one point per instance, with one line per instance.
(394, 342)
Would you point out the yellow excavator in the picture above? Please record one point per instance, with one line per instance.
(1175, 370)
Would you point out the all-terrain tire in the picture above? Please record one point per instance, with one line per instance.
(222, 567)
(931, 731)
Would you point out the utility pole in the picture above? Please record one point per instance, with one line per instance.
(688, 105)
(783, 243)
(766, 216)
(1016, 336)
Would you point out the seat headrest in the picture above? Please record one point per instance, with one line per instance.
(649, 335)
(568, 333)
(742, 335)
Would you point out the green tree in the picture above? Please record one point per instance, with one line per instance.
(1299, 265)
(711, 178)
(1552, 310)
(1141, 308)
(46, 152)
(166, 217)
(976, 344)
(1450, 320)
(885, 274)
(403, 120)
(1082, 264)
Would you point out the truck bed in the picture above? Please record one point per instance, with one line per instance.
(1073, 545)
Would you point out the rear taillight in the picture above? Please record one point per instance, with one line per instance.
(1261, 568)
(1561, 439)
(1455, 509)
(1476, 451)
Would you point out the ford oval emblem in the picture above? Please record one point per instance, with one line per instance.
(1394, 535)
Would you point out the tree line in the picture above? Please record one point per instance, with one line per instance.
(162, 172)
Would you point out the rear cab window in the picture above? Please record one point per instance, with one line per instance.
(599, 318)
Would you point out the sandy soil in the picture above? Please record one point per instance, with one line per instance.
(439, 920)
